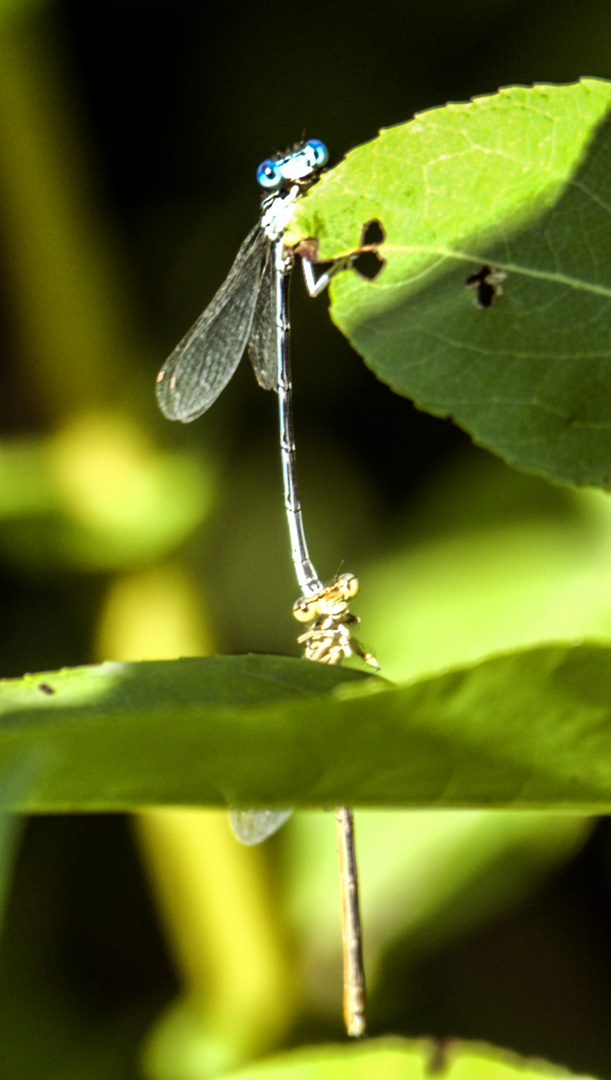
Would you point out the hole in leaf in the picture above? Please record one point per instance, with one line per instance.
(486, 285)
(368, 262)
(368, 265)
(365, 259)
(373, 234)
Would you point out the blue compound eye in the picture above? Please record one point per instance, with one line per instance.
(320, 154)
(268, 174)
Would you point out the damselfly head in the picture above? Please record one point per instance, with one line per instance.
(329, 638)
(330, 602)
(294, 167)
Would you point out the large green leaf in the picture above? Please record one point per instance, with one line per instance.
(401, 1059)
(528, 729)
(519, 182)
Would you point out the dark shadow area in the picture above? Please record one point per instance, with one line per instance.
(536, 981)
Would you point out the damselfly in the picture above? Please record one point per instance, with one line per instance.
(251, 310)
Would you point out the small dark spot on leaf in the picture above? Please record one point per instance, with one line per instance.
(45, 688)
(373, 234)
(486, 285)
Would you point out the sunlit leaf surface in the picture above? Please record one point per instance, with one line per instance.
(524, 730)
(513, 193)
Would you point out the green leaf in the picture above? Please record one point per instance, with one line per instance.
(519, 183)
(526, 730)
(401, 1059)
